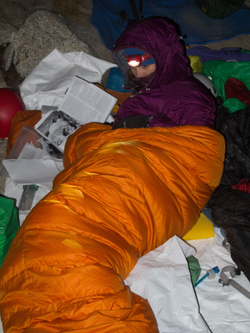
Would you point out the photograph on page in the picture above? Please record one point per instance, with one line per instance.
(56, 126)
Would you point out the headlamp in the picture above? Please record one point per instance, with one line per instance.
(136, 60)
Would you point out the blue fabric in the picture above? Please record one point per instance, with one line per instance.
(196, 27)
(132, 51)
(115, 80)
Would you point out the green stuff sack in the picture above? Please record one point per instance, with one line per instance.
(9, 224)
(219, 71)
(219, 9)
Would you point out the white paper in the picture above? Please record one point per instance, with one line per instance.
(29, 151)
(34, 171)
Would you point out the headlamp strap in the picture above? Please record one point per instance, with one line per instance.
(135, 60)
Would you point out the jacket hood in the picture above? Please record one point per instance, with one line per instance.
(159, 37)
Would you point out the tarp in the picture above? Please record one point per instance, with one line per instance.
(196, 27)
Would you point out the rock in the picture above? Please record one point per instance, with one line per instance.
(28, 34)
(7, 30)
(77, 15)
(42, 32)
(3, 84)
(8, 56)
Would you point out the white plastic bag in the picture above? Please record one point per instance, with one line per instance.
(162, 276)
(48, 82)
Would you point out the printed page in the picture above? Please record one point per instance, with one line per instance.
(86, 102)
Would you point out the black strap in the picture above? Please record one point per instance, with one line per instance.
(133, 122)
(137, 17)
(140, 10)
(134, 10)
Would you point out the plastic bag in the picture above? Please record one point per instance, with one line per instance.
(162, 277)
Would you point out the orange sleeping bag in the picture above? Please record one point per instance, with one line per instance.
(123, 193)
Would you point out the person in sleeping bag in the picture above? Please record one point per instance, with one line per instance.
(151, 56)
(122, 194)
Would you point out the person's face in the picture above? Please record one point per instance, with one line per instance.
(143, 71)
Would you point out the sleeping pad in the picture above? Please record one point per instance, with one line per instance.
(123, 193)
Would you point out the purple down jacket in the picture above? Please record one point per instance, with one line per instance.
(173, 97)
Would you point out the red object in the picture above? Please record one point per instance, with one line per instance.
(243, 185)
(137, 60)
(235, 88)
(10, 104)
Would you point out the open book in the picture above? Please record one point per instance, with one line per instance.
(37, 155)
(84, 102)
